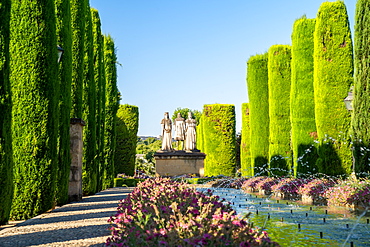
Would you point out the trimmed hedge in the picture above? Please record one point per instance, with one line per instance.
(64, 39)
(78, 19)
(257, 84)
(200, 135)
(279, 77)
(302, 104)
(6, 160)
(219, 139)
(361, 102)
(245, 153)
(127, 127)
(90, 163)
(100, 94)
(333, 76)
(35, 96)
(111, 104)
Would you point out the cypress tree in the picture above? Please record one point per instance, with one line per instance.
(90, 165)
(127, 127)
(279, 75)
(245, 154)
(361, 113)
(219, 139)
(78, 19)
(333, 76)
(64, 39)
(302, 104)
(200, 136)
(112, 103)
(6, 160)
(100, 92)
(257, 84)
(34, 86)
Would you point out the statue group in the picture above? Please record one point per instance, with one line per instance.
(185, 130)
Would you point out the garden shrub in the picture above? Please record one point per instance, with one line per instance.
(333, 76)
(162, 212)
(361, 102)
(35, 97)
(200, 136)
(257, 84)
(111, 108)
(64, 40)
(302, 104)
(127, 127)
(245, 153)
(219, 139)
(6, 159)
(279, 79)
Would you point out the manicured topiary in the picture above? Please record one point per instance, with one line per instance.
(279, 58)
(245, 154)
(302, 104)
(6, 160)
(90, 163)
(127, 127)
(111, 107)
(64, 40)
(219, 139)
(333, 76)
(200, 135)
(257, 84)
(361, 103)
(35, 96)
(78, 19)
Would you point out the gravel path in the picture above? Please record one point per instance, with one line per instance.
(81, 223)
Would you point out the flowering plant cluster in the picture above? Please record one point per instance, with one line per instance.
(348, 192)
(289, 186)
(266, 184)
(251, 184)
(316, 188)
(161, 212)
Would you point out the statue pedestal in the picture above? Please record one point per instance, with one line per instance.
(179, 162)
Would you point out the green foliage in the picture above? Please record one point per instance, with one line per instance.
(219, 139)
(361, 102)
(302, 104)
(127, 127)
(257, 83)
(64, 39)
(6, 161)
(147, 147)
(78, 19)
(35, 96)
(245, 153)
(279, 58)
(184, 113)
(90, 164)
(111, 107)
(333, 76)
(200, 136)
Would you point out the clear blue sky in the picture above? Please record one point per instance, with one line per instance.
(177, 53)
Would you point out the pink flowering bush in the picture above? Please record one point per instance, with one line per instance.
(266, 184)
(289, 186)
(316, 188)
(161, 212)
(251, 183)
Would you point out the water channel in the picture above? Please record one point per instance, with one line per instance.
(294, 224)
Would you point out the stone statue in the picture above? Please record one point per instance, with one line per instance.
(190, 137)
(179, 129)
(166, 133)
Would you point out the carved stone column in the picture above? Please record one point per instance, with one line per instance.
(75, 175)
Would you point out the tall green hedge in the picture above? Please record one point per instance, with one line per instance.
(6, 160)
(200, 135)
(127, 127)
(333, 76)
(219, 139)
(64, 39)
(302, 104)
(90, 164)
(78, 19)
(245, 153)
(111, 106)
(279, 74)
(361, 103)
(100, 92)
(257, 84)
(34, 88)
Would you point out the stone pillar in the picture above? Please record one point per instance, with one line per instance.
(75, 175)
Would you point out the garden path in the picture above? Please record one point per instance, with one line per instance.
(82, 223)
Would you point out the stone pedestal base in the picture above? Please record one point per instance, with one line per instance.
(179, 162)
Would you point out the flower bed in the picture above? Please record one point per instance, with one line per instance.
(264, 187)
(250, 185)
(313, 192)
(288, 188)
(161, 212)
